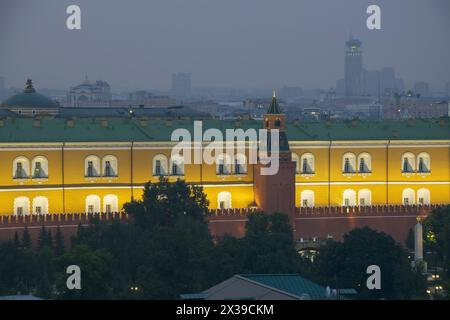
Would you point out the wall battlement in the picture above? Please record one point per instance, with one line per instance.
(318, 222)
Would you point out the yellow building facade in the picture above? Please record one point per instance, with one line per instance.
(100, 176)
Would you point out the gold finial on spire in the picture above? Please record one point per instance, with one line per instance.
(274, 94)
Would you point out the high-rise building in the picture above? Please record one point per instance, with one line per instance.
(181, 85)
(353, 67)
(447, 89)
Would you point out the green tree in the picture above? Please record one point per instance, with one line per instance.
(16, 239)
(43, 238)
(96, 273)
(344, 265)
(59, 242)
(163, 203)
(437, 236)
(26, 238)
(409, 242)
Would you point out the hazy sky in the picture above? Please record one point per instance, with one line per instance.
(137, 44)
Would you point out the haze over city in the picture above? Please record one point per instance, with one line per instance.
(240, 44)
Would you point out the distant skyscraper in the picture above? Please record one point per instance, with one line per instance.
(181, 85)
(422, 88)
(447, 90)
(353, 67)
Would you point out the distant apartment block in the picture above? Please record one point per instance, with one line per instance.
(415, 108)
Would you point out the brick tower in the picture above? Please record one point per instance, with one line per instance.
(276, 193)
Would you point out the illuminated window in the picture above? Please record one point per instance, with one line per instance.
(224, 200)
(110, 166)
(21, 206)
(21, 167)
(349, 198)
(177, 165)
(40, 167)
(423, 163)
(92, 204)
(307, 161)
(365, 162)
(423, 197)
(223, 164)
(110, 203)
(40, 205)
(408, 160)
(348, 163)
(408, 197)
(364, 197)
(307, 198)
(240, 164)
(92, 166)
(160, 165)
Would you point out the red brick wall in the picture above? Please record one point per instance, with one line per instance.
(312, 222)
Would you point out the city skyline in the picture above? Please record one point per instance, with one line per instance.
(147, 42)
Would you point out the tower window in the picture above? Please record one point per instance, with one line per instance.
(277, 123)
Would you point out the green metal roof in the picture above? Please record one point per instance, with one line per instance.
(29, 98)
(122, 129)
(290, 283)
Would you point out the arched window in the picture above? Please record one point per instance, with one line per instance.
(40, 205)
(92, 203)
(160, 165)
(240, 164)
(408, 162)
(110, 203)
(423, 162)
(307, 163)
(92, 166)
(223, 164)
(408, 197)
(307, 198)
(348, 163)
(423, 197)
(224, 200)
(364, 162)
(21, 206)
(349, 198)
(21, 168)
(364, 197)
(110, 166)
(177, 165)
(39, 166)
